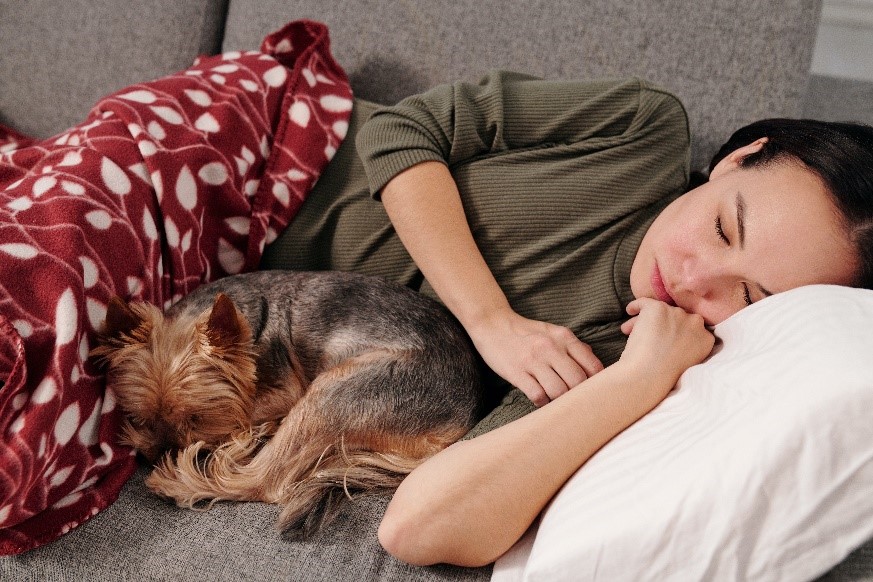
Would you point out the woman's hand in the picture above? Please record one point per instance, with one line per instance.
(541, 359)
(664, 342)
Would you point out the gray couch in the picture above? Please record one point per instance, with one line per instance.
(730, 62)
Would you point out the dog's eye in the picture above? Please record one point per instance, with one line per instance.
(136, 421)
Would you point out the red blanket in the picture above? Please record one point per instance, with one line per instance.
(165, 186)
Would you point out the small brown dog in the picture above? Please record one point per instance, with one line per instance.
(290, 388)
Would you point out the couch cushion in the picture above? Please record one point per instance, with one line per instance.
(836, 99)
(60, 57)
(141, 537)
(731, 63)
(858, 567)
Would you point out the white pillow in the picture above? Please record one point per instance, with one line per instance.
(759, 466)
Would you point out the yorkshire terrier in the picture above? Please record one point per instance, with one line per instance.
(293, 388)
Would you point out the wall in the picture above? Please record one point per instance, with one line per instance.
(844, 45)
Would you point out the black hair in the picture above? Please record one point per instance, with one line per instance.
(840, 154)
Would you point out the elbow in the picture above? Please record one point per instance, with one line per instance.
(404, 541)
(425, 543)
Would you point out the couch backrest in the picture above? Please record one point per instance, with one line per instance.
(58, 57)
(730, 62)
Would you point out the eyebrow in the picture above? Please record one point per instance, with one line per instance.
(741, 232)
(741, 219)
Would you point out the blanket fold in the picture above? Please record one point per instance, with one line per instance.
(165, 186)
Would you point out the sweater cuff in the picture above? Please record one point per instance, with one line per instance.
(390, 144)
(382, 168)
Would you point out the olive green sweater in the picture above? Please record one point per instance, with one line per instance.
(559, 181)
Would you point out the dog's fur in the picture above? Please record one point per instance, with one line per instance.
(290, 388)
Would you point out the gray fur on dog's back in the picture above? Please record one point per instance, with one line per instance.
(323, 318)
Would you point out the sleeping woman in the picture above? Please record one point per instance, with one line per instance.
(556, 222)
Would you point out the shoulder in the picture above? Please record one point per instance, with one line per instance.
(657, 104)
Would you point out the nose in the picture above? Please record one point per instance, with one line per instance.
(701, 275)
(705, 285)
(166, 436)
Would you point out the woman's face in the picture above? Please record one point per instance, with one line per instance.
(743, 235)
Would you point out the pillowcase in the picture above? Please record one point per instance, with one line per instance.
(756, 467)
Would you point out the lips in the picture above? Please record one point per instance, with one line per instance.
(660, 290)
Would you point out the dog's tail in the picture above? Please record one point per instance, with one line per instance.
(337, 474)
(308, 475)
(197, 474)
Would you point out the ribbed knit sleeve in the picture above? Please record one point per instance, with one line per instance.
(505, 111)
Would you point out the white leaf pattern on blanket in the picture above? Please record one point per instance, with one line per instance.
(167, 185)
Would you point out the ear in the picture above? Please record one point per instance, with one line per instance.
(733, 159)
(120, 319)
(226, 326)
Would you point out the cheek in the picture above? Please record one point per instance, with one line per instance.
(677, 227)
(671, 249)
(693, 236)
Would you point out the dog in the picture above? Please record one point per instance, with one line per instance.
(292, 388)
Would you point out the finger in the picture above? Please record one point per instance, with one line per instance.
(532, 389)
(634, 307)
(584, 356)
(628, 326)
(639, 304)
(571, 371)
(551, 381)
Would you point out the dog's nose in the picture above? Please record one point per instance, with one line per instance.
(166, 436)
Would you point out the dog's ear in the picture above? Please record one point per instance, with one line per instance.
(226, 326)
(120, 319)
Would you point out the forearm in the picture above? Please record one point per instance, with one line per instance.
(468, 504)
(425, 208)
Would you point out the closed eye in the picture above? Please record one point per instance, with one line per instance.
(720, 231)
(747, 296)
(137, 421)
